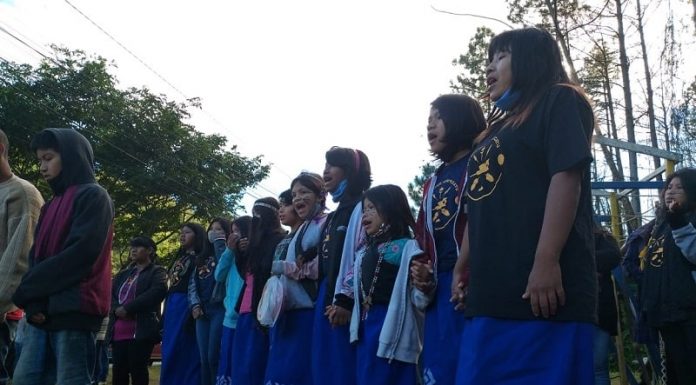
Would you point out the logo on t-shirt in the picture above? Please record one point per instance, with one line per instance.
(445, 202)
(179, 269)
(657, 251)
(485, 170)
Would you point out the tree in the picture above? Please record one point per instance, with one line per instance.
(159, 171)
(472, 79)
(415, 188)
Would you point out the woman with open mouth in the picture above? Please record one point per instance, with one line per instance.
(346, 176)
(289, 358)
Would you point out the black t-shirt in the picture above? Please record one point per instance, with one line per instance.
(509, 177)
(668, 290)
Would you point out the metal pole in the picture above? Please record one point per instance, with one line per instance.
(615, 217)
(669, 167)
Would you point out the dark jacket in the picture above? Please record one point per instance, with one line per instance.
(668, 290)
(150, 290)
(69, 278)
(331, 251)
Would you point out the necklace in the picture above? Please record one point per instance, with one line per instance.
(367, 297)
(127, 287)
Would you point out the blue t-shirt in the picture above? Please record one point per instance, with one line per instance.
(446, 201)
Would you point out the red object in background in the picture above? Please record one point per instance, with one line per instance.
(156, 354)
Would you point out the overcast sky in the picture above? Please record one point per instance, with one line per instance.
(282, 79)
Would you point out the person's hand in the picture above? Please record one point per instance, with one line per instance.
(337, 315)
(232, 241)
(458, 297)
(676, 215)
(38, 318)
(243, 244)
(121, 312)
(422, 276)
(545, 288)
(197, 312)
(299, 261)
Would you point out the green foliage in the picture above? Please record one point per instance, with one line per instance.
(415, 188)
(159, 171)
(684, 121)
(472, 79)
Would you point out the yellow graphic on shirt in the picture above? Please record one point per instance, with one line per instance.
(488, 161)
(445, 203)
(656, 251)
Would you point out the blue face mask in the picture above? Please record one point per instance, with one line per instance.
(336, 195)
(508, 99)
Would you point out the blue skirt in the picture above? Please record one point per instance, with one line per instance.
(443, 333)
(290, 356)
(333, 356)
(376, 370)
(181, 364)
(224, 373)
(513, 352)
(250, 352)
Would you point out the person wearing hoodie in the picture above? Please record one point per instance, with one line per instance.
(66, 291)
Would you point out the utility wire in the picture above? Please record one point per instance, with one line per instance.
(151, 69)
(126, 153)
(23, 42)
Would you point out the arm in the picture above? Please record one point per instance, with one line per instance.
(545, 285)
(309, 270)
(460, 268)
(685, 238)
(14, 260)
(192, 292)
(93, 216)
(227, 259)
(153, 295)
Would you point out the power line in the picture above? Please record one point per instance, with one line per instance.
(151, 69)
(126, 49)
(126, 153)
(23, 42)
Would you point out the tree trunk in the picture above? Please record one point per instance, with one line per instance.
(630, 126)
(648, 86)
(562, 39)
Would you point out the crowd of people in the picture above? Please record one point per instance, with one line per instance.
(502, 278)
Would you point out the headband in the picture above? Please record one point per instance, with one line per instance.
(266, 205)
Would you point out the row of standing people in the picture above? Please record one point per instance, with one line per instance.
(504, 231)
(505, 219)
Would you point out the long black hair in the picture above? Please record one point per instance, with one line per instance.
(225, 224)
(356, 166)
(201, 246)
(392, 206)
(265, 224)
(243, 223)
(687, 177)
(464, 121)
(265, 234)
(536, 66)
